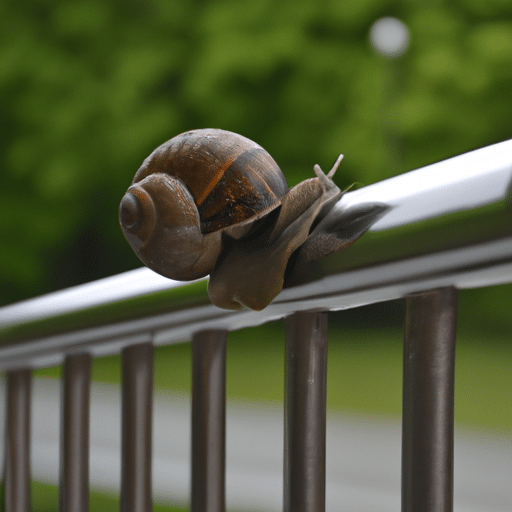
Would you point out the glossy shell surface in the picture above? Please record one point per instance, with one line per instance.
(230, 177)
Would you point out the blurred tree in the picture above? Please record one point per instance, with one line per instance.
(88, 88)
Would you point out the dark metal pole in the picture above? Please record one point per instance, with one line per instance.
(136, 438)
(428, 401)
(17, 453)
(74, 457)
(305, 412)
(208, 421)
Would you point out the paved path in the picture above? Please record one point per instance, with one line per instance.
(363, 457)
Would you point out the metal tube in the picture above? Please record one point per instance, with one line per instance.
(74, 458)
(428, 401)
(136, 429)
(305, 412)
(208, 421)
(17, 452)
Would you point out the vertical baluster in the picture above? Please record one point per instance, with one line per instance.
(136, 438)
(74, 457)
(208, 421)
(305, 412)
(17, 449)
(428, 401)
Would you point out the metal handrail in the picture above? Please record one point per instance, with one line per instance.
(449, 224)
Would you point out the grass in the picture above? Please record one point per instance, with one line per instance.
(45, 498)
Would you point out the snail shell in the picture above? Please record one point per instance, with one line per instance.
(191, 190)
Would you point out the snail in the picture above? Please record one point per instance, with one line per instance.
(213, 202)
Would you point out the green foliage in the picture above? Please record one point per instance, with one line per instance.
(45, 498)
(88, 88)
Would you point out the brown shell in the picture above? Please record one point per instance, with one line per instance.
(231, 178)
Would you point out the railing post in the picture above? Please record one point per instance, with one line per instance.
(428, 401)
(74, 457)
(208, 421)
(17, 449)
(136, 428)
(305, 412)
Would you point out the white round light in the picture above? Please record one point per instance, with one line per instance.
(389, 36)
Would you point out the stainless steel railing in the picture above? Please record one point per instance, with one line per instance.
(448, 227)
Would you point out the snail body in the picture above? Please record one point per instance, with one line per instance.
(213, 202)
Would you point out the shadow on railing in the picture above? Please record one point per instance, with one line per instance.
(448, 227)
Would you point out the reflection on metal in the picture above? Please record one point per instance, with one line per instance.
(208, 421)
(74, 475)
(17, 449)
(136, 439)
(305, 412)
(445, 227)
(428, 398)
(465, 182)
